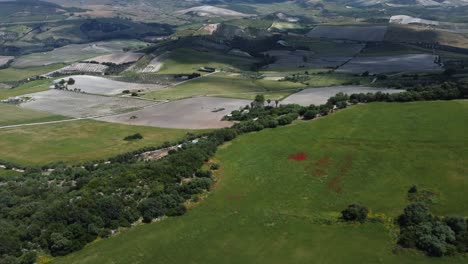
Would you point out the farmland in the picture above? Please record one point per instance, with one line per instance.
(26, 88)
(4, 60)
(75, 52)
(320, 96)
(104, 86)
(118, 58)
(268, 209)
(395, 63)
(77, 141)
(192, 113)
(189, 60)
(14, 115)
(15, 74)
(358, 33)
(73, 104)
(225, 85)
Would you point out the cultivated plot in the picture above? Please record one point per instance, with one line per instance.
(74, 52)
(390, 64)
(118, 58)
(74, 104)
(104, 86)
(319, 96)
(4, 60)
(357, 33)
(192, 113)
(155, 64)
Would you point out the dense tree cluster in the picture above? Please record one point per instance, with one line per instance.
(434, 235)
(445, 91)
(60, 211)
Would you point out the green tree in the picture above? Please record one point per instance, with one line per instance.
(355, 212)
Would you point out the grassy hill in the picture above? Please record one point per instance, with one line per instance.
(269, 208)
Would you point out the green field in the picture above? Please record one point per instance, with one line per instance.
(188, 61)
(26, 88)
(266, 208)
(14, 74)
(14, 115)
(227, 85)
(77, 141)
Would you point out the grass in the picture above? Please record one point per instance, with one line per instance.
(185, 60)
(226, 85)
(267, 209)
(77, 141)
(17, 74)
(14, 115)
(26, 88)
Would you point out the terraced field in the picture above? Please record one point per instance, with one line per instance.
(75, 52)
(268, 208)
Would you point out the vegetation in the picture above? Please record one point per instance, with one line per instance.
(433, 235)
(272, 209)
(14, 115)
(227, 85)
(136, 136)
(355, 212)
(77, 141)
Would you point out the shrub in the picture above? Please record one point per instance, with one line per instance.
(355, 212)
(136, 136)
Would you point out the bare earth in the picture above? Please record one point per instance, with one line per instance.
(156, 64)
(358, 33)
(318, 96)
(5, 59)
(77, 105)
(211, 11)
(104, 86)
(192, 113)
(390, 64)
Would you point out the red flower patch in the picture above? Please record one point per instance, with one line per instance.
(298, 157)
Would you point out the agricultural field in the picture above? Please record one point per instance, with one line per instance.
(318, 96)
(14, 115)
(75, 52)
(270, 207)
(192, 113)
(210, 11)
(224, 85)
(392, 64)
(188, 61)
(73, 104)
(118, 58)
(415, 34)
(26, 88)
(4, 60)
(103, 86)
(79, 67)
(290, 60)
(357, 33)
(15, 74)
(77, 141)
